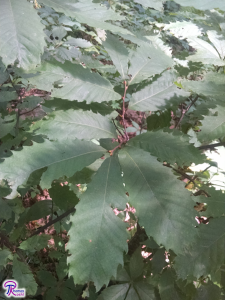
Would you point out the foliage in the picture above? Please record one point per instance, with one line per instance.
(104, 108)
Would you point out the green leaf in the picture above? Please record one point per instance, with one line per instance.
(156, 4)
(8, 96)
(218, 41)
(203, 4)
(35, 243)
(115, 292)
(136, 264)
(213, 127)
(211, 85)
(141, 291)
(97, 236)
(161, 211)
(158, 262)
(85, 11)
(145, 62)
(62, 196)
(4, 254)
(30, 102)
(6, 211)
(172, 147)
(38, 210)
(4, 75)
(118, 53)
(183, 29)
(159, 120)
(24, 276)
(93, 14)
(46, 278)
(207, 254)
(215, 202)
(63, 125)
(166, 286)
(62, 268)
(7, 124)
(78, 83)
(138, 291)
(150, 243)
(206, 53)
(61, 159)
(59, 32)
(21, 34)
(208, 291)
(158, 95)
(78, 42)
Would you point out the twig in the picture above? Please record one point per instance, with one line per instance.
(65, 214)
(26, 112)
(185, 175)
(186, 110)
(117, 127)
(112, 151)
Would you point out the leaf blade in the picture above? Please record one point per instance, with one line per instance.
(98, 225)
(19, 40)
(159, 212)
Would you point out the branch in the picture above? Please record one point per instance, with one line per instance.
(205, 147)
(59, 218)
(186, 110)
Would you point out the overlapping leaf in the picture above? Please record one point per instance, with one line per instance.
(158, 95)
(156, 4)
(79, 124)
(215, 202)
(211, 85)
(78, 83)
(207, 255)
(24, 276)
(88, 12)
(130, 287)
(213, 127)
(208, 291)
(218, 40)
(166, 286)
(7, 124)
(35, 243)
(8, 96)
(205, 53)
(61, 159)
(183, 29)
(162, 205)
(118, 53)
(172, 147)
(21, 34)
(145, 62)
(4, 75)
(203, 4)
(97, 236)
(6, 211)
